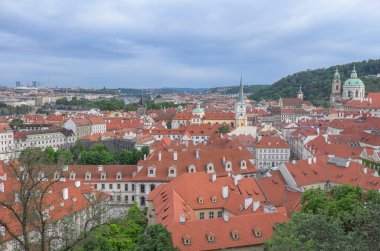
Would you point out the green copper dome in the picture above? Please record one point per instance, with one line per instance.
(353, 80)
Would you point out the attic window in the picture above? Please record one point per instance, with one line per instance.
(88, 176)
(256, 232)
(243, 164)
(192, 169)
(277, 144)
(200, 200)
(234, 234)
(213, 199)
(210, 237)
(103, 176)
(72, 176)
(186, 240)
(118, 176)
(2, 231)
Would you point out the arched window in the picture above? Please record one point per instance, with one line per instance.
(191, 169)
(210, 168)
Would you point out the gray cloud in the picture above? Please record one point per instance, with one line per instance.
(150, 43)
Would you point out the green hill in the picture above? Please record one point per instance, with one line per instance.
(316, 84)
(235, 89)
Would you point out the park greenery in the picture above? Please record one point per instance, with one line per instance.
(316, 84)
(103, 105)
(6, 110)
(98, 154)
(344, 218)
(130, 232)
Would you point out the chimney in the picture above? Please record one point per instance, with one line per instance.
(175, 155)
(182, 219)
(213, 177)
(247, 202)
(318, 130)
(309, 160)
(65, 194)
(197, 153)
(294, 162)
(225, 216)
(224, 160)
(224, 192)
(314, 160)
(237, 178)
(144, 156)
(256, 205)
(100, 168)
(365, 170)
(159, 156)
(77, 183)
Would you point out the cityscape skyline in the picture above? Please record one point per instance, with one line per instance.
(170, 44)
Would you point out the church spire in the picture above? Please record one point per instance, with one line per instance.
(241, 94)
(141, 102)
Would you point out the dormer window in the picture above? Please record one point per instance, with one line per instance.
(103, 176)
(200, 199)
(234, 234)
(56, 176)
(151, 171)
(228, 166)
(213, 199)
(186, 240)
(256, 232)
(88, 176)
(172, 171)
(65, 168)
(210, 237)
(118, 176)
(72, 176)
(243, 164)
(191, 169)
(210, 168)
(100, 168)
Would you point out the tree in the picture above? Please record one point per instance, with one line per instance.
(224, 129)
(34, 181)
(344, 218)
(156, 237)
(16, 122)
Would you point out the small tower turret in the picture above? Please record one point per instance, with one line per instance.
(300, 93)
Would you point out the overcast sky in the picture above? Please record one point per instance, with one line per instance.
(164, 43)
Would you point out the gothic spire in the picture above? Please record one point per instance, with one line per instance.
(241, 94)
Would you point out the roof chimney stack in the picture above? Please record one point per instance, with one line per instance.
(225, 192)
(197, 153)
(65, 194)
(225, 216)
(213, 177)
(77, 183)
(175, 155)
(159, 156)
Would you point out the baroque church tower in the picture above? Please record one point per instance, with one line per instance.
(335, 88)
(240, 108)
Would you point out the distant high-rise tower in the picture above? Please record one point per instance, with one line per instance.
(241, 107)
(34, 83)
(141, 109)
(18, 84)
(300, 94)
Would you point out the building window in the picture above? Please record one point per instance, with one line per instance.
(142, 188)
(152, 187)
(142, 201)
(96, 186)
(201, 215)
(133, 198)
(110, 186)
(133, 187)
(126, 198)
(118, 198)
(220, 214)
(103, 186)
(126, 187)
(211, 215)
